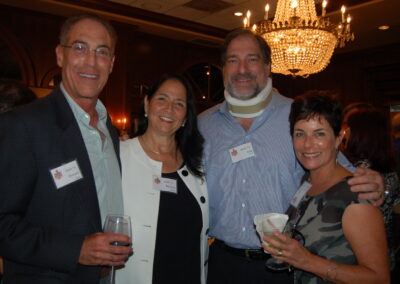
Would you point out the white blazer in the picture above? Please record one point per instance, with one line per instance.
(141, 203)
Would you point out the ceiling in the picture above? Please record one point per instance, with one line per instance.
(207, 21)
(367, 15)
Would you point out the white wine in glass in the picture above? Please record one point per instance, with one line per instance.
(290, 231)
(117, 224)
(273, 263)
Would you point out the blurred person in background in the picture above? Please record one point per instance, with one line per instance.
(369, 143)
(12, 95)
(350, 108)
(396, 138)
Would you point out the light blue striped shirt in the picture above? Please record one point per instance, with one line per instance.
(261, 184)
(102, 156)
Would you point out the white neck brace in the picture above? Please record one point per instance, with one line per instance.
(250, 108)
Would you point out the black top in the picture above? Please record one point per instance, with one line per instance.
(177, 252)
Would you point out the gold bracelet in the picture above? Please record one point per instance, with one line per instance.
(331, 273)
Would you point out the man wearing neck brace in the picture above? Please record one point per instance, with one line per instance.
(249, 162)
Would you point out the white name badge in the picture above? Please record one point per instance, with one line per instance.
(66, 174)
(300, 194)
(241, 152)
(165, 184)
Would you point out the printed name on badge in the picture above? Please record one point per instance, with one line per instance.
(165, 184)
(66, 174)
(241, 152)
(298, 197)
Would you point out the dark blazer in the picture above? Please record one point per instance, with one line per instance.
(41, 227)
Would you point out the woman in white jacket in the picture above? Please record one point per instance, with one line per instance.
(164, 190)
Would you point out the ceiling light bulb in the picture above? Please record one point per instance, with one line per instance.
(384, 27)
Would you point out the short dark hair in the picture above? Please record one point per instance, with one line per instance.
(188, 138)
(316, 103)
(13, 94)
(262, 44)
(371, 138)
(71, 21)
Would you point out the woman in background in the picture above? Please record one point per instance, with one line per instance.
(345, 238)
(369, 144)
(164, 190)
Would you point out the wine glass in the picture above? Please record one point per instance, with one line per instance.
(272, 263)
(117, 224)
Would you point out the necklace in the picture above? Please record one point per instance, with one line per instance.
(151, 150)
(155, 152)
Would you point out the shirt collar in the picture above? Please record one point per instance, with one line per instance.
(79, 113)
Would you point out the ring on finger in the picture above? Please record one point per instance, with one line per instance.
(280, 253)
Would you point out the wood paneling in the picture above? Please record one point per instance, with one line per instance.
(368, 75)
(140, 58)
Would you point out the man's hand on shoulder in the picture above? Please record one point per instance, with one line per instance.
(369, 184)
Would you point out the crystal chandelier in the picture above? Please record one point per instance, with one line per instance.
(301, 42)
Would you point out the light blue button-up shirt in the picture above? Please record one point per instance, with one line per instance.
(103, 159)
(261, 184)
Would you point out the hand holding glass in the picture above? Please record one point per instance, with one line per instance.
(117, 224)
(268, 230)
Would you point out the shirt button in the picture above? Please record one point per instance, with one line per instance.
(202, 199)
(243, 229)
(243, 205)
(185, 173)
(244, 181)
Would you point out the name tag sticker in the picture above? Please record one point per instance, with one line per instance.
(241, 152)
(298, 197)
(66, 174)
(165, 184)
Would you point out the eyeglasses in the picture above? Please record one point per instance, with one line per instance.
(82, 49)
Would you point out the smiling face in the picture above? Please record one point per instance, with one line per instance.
(245, 72)
(315, 144)
(166, 110)
(85, 75)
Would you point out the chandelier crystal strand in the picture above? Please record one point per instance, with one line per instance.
(301, 42)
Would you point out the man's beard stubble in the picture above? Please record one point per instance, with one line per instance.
(243, 96)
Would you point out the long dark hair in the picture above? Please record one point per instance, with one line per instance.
(188, 139)
(371, 139)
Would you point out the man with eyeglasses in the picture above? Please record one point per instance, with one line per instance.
(60, 172)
